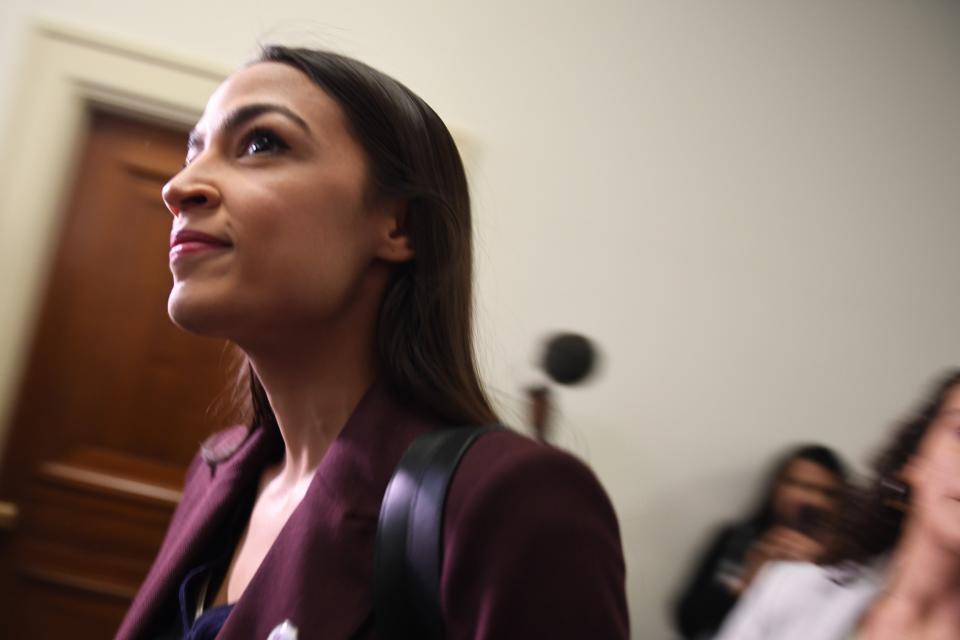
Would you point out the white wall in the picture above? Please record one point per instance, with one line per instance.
(751, 205)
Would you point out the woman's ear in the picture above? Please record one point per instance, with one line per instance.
(912, 473)
(908, 475)
(394, 243)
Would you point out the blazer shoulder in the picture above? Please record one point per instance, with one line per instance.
(530, 531)
(503, 467)
(507, 455)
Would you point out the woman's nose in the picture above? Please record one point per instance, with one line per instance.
(187, 190)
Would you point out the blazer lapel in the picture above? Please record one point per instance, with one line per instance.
(211, 496)
(318, 575)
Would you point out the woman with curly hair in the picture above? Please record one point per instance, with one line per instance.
(896, 573)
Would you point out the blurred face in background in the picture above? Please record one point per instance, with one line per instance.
(933, 474)
(805, 488)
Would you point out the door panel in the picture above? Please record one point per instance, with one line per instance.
(113, 402)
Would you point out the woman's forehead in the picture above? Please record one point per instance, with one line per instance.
(803, 469)
(268, 83)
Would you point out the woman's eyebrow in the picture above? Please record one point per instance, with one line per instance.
(241, 115)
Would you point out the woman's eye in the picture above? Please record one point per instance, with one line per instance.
(263, 141)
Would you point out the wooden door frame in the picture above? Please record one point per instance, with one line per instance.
(66, 72)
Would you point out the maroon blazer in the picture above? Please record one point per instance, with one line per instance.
(531, 541)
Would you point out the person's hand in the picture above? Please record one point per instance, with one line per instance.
(783, 543)
(779, 543)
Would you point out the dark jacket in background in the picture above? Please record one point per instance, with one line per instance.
(707, 597)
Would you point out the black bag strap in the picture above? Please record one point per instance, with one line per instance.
(409, 546)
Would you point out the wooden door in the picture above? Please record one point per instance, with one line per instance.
(113, 402)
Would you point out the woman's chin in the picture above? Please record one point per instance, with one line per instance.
(196, 316)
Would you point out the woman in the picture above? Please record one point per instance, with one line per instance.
(791, 522)
(897, 573)
(322, 224)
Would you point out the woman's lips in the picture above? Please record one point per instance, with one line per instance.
(187, 241)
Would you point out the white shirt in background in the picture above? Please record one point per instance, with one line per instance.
(803, 601)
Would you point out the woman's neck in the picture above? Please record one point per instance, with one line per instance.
(314, 382)
(925, 578)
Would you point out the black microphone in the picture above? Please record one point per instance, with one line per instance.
(568, 358)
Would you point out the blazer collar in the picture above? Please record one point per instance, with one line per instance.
(211, 497)
(318, 574)
(326, 547)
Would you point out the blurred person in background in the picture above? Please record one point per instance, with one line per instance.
(791, 522)
(895, 573)
(322, 224)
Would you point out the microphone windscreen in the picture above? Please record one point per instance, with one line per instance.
(568, 358)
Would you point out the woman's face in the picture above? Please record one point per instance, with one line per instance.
(934, 477)
(805, 486)
(274, 228)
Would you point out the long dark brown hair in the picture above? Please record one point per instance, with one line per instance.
(425, 326)
(875, 513)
